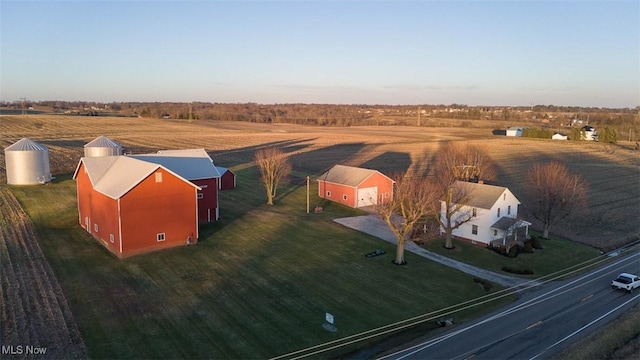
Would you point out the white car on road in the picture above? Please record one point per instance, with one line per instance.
(626, 281)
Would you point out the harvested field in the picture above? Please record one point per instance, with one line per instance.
(613, 171)
(34, 310)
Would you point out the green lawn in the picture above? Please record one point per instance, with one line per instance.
(260, 280)
(556, 255)
(257, 285)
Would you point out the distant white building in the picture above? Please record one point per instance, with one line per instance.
(559, 136)
(588, 133)
(514, 131)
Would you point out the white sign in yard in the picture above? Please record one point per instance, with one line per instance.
(329, 318)
(328, 322)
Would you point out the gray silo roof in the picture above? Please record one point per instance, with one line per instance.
(102, 142)
(26, 144)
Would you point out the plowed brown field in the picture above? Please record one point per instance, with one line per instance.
(34, 311)
(613, 171)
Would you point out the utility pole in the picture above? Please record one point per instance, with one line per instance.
(307, 194)
(22, 102)
(419, 113)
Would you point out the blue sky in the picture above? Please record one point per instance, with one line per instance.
(582, 53)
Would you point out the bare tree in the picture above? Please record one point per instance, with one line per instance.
(455, 164)
(274, 166)
(413, 198)
(556, 192)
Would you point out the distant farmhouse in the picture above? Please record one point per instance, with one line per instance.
(514, 131)
(355, 187)
(494, 215)
(140, 203)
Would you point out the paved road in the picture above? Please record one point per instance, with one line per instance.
(373, 225)
(541, 323)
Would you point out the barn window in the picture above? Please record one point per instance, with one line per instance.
(160, 237)
(344, 197)
(498, 212)
(474, 229)
(387, 195)
(474, 212)
(509, 210)
(95, 227)
(111, 238)
(158, 177)
(200, 196)
(328, 193)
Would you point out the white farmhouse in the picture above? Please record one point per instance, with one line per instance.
(494, 215)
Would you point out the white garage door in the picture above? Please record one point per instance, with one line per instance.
(367, 196)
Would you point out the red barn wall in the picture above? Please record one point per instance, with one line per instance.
(228, 180)
(384, 184)
(98, 213)
(338, 192)
(150, 208)
(208, 205)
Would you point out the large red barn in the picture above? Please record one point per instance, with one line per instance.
(133, 206)
(196, 166)
(355, 187)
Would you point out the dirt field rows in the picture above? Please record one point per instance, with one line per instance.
(612, 171)
(33, 308)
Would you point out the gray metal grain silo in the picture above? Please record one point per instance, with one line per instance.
(102, 146)
(27, 163)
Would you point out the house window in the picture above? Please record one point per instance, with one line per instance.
(328, 193)
(158, 177)
(344, 197)
(474, 229)
(95, 227)
(495, 232)
(200, 196)
(504, 196)
(474, 212)
(509, 210)
(160, 237)
(111, 238)
(498, 212)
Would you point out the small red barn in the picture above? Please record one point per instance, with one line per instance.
(132, 206)
(355, 187)
(227, 178)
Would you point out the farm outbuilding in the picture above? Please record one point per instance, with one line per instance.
(559, 136)
(132, 206)
(196, 166)
(355, 187)
(102, 146)
(514, 131)
(227, 178)
(27, 163)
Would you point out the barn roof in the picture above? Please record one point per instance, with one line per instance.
(114, 176)
(26, 144)
(347, 175)
(102, 142)
(201, 153)
(482, 195)
(222, 170)
(190, 168)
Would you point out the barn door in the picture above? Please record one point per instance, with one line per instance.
(368, 196)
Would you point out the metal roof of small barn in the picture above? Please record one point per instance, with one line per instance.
(482, 195)
(347, 175)
(102, 142)
(26, 144)
(190, 168)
